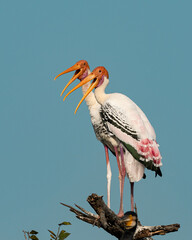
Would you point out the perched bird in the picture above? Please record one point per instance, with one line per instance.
(127, 122)
(130, 220)
(109, 141)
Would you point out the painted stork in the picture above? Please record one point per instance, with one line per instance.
(127, 122)
(109, 141)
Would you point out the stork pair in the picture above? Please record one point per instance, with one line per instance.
(120, 125)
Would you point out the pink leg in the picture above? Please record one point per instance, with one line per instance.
(132, 196)
(117, 157)
(108, 176)
(123, 173)
(121, 178)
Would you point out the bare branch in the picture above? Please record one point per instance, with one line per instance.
(143, 231)
(111, 223)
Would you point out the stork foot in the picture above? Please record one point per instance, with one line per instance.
(120, 214)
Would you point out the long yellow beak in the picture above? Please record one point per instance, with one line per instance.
(92, 86)
(75, 76)
(83, 82)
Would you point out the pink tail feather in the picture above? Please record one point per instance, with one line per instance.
(149, 150)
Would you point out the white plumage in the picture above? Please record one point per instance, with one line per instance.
(127, 122)
(101, 131)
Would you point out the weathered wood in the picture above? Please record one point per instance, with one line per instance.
(111, 223)
(148, 231)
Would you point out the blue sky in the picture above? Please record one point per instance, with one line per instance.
(48, 154)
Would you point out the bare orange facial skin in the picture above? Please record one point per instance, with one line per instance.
(81, 71)
(98, 75)
(83, 66)
(99, 71)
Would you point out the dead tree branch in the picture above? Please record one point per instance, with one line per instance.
(111, 223)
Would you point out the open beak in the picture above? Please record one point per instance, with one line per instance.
(75, 76)
(84, 81)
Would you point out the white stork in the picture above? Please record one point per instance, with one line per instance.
(127, 122)
(109, 141)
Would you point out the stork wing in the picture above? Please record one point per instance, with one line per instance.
(129, 124)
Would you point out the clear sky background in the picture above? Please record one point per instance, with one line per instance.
(48, 154)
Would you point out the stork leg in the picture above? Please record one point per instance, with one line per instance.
(132, 196)
(121, 178)
(108, 176)
(123, 173)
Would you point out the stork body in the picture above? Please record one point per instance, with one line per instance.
(110, 142)
(127, 122)
(103, 135)
(127, 164)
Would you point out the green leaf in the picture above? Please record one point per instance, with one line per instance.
(33, 237)
(64, 223)
(33, 232)
(63, 235)
(52, 233)
(52, 236)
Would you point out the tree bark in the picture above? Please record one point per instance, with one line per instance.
(111, 223)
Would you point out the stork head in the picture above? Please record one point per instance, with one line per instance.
(98, 75)
(81, 69)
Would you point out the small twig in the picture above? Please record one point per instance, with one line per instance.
(87, 212)
(77, 212)
(88, 217)
(58, 233)
(25, 235)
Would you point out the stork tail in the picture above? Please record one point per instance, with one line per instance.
(147, 152)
